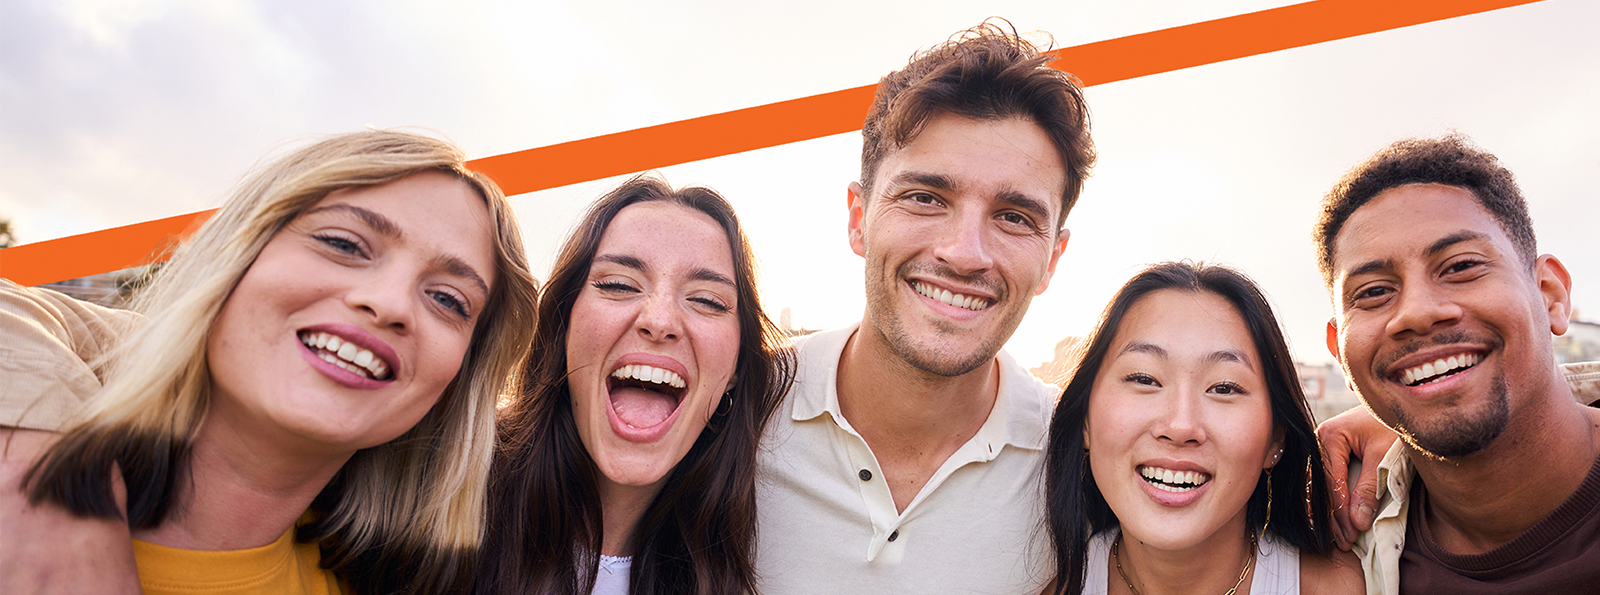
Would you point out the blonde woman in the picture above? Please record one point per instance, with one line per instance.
(309, 405)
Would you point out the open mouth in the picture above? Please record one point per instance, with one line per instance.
(1439, 369)
(348, 356)
(1173, 481)
(644, 396)
(946, 297)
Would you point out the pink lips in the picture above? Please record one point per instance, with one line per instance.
(360, 338)
(947, 309)
(1166, 498)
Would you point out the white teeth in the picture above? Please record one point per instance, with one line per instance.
(953, 299)
(345, 354)
(1428, 372)
(1174, 481)
(649, 374)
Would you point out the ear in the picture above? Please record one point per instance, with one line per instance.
(1055, 257)
(1333, 341)
(1274, 448)
(1555, 283)
(857, 200)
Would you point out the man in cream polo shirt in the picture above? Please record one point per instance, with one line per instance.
(907, 456)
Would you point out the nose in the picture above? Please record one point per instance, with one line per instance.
(388, 295)
(963, 244)
(1179, 420)
(1419, 307)
(660, 318)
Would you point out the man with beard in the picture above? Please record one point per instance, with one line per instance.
(1444, 318)
(907, 456)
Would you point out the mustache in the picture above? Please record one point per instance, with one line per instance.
(984, 280)
(1449, 337)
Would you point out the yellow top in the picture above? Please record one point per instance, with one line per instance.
(280, 567)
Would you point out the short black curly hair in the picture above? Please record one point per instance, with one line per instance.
(1451, 160)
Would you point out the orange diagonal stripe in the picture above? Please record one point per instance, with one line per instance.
(806, 118)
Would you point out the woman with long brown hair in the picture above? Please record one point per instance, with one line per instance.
(627, 461)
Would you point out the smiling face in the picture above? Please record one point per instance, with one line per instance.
(959, 234)
(653, 341)
(355, 316)
(1179, 421)
(1441, 324)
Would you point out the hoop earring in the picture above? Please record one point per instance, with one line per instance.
(725, 405)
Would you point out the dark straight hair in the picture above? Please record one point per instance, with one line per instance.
(1074, 506)
(698, 535)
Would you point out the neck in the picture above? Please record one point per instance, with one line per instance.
(242, 490)
(1210, 567)
(621, 508)
(890, 402)
(1482, 501)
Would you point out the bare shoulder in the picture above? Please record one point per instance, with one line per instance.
(1337, 573)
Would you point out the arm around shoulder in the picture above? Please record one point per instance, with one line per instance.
(50, 360)
(1337, 573)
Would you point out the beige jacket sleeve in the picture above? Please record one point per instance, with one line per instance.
(51, 347)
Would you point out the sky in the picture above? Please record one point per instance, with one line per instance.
(114, 112)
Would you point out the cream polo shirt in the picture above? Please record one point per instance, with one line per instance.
(1380, 547)
(828, 522)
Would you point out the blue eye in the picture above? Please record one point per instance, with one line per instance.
(450, 302)
(341, 244)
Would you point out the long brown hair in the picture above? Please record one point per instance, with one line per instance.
(1074, 506)
(698, 535)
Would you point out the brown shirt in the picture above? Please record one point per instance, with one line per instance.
(1559, 554)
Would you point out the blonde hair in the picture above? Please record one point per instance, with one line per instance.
(417, 500)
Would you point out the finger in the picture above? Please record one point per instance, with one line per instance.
(1364, 498)
(1336, 452)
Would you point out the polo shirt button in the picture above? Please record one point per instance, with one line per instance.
(865, 475)
(894, 535)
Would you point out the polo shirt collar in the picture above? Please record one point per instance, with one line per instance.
(1015, 420)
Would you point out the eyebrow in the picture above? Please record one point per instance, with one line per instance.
(1141, 347)
(1225, 355)
(698, 274)
(1230, 355)
(387, 227)
(1446, 242)
(1433, 249)
(1032, 205)
(1370, 267)
(460, 268)
(922, 178)
(374, 220)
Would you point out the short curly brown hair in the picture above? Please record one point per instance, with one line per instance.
(1451, 160)
(988, 72)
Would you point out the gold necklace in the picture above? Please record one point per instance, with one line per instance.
(1242, 572)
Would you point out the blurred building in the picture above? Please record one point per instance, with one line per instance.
(113, 290)
(1326, 390)
(1581, 343)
